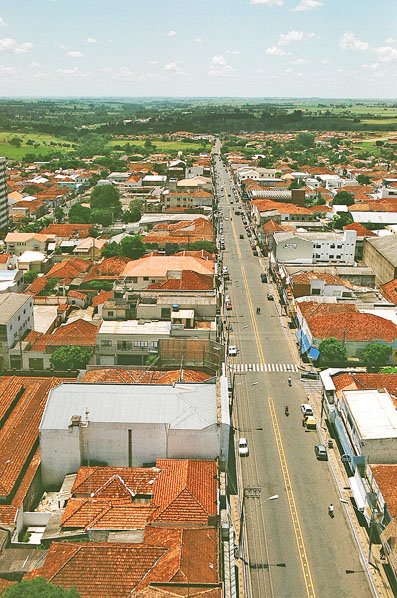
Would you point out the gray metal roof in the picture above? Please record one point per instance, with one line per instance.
(183, 406)
(10, 303)
(387, 246)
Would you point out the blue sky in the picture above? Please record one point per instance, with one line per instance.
(298, 48)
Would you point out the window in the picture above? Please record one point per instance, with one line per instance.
(331, 257)
(146, 278)
(332, 246)
(338, 257)
(134, 279)
(110, 314)
(154, 344)
(140, 344)
(339, 246)
(106, 343)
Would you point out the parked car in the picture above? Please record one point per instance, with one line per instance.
(263, 277)
(232, 351)
(310, 423)
(310, 375)
(270, 297)
(255, 253)
(321, 452)
(241, 236)
(225, 270)
(243, 449)
(306, 409)
(229, 305)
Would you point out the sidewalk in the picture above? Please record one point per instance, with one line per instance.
(234, 507)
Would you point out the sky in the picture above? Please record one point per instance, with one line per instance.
(201, 48)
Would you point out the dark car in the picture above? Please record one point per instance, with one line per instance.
(310, 375)
(270, 297)
(241, 236)
(263, 277)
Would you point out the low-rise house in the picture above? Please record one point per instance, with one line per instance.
(36, 349)
(90, 247)
(16, 319)
(78, 299)
(314, 247)
(18, 243)
(130, 425)
(345, 323)
(180, 233)
(267, 209)
(64, 232)
(186, 200)
(321, 284)
(34, 261)
(141, 273)
(154, 180)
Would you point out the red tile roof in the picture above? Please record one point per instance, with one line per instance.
(144, 377)
(389, 291)
(109, 514)
(79, 333)
(101, 298)
(109, 269)
(311, 308)
(386, 479)
(307, 277)
(185, 491)
(68, 230)
(4, 257)
(189, 281)
(19, 433)
(69, 269)
(361, 230)
(265, 205)
(350, 326)
(36, 286)
(362, 380)
(77, 295)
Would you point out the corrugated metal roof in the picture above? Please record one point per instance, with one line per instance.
(373, 412)
(181, 406)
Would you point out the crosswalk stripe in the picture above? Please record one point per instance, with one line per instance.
(268, 367)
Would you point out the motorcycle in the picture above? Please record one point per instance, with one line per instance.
(286, 411)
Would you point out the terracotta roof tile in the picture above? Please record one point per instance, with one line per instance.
(389, 291)
(108, 514)
(144, 377)
(361, 230)
(69, 269)
(68, 230)
(307, 277)
(353, 327)
(101, 298)
(362, 380)
(79, 333)
(114, 482)
(386, 479)
(189, 281)
(109, 269)
(265, 205)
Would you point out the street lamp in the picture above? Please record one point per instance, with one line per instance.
(374, 512)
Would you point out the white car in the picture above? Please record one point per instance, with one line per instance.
(225, 270)
(307, 410)
(243, 449)
(232, 351)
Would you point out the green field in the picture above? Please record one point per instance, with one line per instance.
(165, 146)
(32, 143)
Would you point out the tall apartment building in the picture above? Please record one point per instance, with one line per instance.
(3, 194)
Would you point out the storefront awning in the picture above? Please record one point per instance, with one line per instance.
(314, 353)
(358, 491)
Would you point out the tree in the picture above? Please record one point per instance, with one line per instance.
(363, 179)
(296, 184)
(343, 198)
(332, 352)
(70, 357)
(132, 247)
(29, 276)
(341, 220)
(374, 355)
(78, 214)
(111, 249)
(105, 197)
(38, 588)
(58, 214)
(104, 217)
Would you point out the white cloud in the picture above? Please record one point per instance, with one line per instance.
(386, 54)
(268, 2)
(106, 69)
(219, 67)
(75, 72)
(390, 40)
(171, 33)
(350, 42)
(6, 71)
(174, 68)
(10, 45)
(234, 52)
(199, 40)
(91, 40)
(35, 65)
(299, 61)
(75, 54)
(2, 22)
(307, 5)
(294, 36)
(275, 51)
(152, 62)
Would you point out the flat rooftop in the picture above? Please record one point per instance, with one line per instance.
(373, 412)
(135, 327)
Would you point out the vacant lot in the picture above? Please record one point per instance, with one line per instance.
(166, 146)
(31, 143)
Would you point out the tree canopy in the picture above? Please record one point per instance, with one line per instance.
(375, 355)
(38, 588)
(332, 352)
(70, 357)
(78, 214)
(343, 198)
(132, 247)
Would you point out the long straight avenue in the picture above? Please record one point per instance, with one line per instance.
(289, 546)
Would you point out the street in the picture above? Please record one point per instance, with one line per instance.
(290, 546)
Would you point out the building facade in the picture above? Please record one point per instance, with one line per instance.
(3, 194)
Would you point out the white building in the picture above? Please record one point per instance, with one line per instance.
(370, 419)
(315, 247)
(131, 425)
(3, 194)
(16, 318)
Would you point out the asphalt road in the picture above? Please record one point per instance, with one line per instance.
(291, 548)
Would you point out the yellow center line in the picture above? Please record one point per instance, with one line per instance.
(292, 504)
(290, 495)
